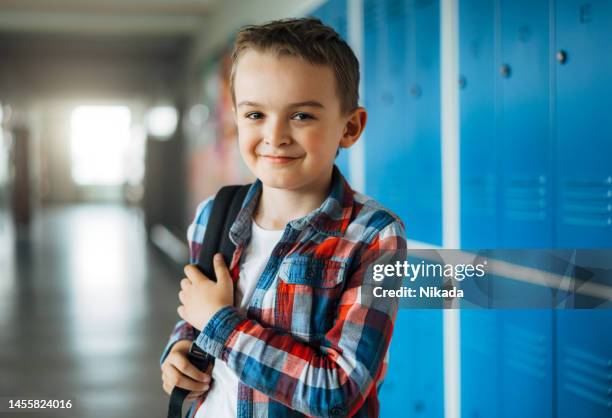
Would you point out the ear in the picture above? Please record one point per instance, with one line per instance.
(355, 124)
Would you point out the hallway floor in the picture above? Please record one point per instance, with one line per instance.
(86, 307)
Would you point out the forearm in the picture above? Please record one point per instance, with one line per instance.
(314, 381)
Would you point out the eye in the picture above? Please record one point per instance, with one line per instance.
(302, 116)
(254, 115)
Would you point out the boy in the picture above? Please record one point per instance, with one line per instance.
(301, 335)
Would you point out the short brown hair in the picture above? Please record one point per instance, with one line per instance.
(306, 38)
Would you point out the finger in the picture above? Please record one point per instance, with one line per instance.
(182, 364)
(168, 385)
(224, 278)
(185, 283)
(181, 296)
(193, 273)
(176, 378)
(181, 311)
(195, 394)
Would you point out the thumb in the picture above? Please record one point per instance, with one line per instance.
(221, 271)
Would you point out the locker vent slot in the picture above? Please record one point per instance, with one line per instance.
(588, 376)
(525, 352)
(587, 203)
(526, 198)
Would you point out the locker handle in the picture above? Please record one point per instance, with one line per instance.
(561, 56)
(462, 82)
(419, 406)
(505, 70)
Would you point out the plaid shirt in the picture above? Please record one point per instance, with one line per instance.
(313, 342)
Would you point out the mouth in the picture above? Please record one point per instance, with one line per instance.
(277, 159)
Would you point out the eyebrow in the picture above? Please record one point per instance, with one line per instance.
(308, 103)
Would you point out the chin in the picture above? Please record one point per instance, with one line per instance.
(279, 182)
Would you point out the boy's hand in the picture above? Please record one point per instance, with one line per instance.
(201, 298)
(177, 370)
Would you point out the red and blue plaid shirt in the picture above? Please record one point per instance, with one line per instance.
(313, 341)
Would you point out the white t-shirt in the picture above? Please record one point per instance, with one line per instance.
(222, 397)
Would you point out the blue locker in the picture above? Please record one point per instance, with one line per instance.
(334, 14)
(583, 196)
(385, 146)
(403, 172)
(584, 143)
(478, 164)
(525, 213)
(524, 202)
(402, 75)
(379, 101)
(478, 159)
(549, 193)
(506, 200)
(422, 164)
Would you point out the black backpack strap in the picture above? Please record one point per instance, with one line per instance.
(226, 206)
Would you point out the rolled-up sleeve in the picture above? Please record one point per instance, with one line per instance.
(195, 237)
(335, 378)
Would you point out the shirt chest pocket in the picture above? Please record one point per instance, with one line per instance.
(307, 295)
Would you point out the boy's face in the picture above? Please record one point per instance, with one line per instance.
(289, 120)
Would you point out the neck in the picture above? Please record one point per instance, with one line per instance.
(277, 207)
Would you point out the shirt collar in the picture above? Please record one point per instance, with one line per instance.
(331, 218)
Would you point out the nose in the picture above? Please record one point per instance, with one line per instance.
(276, 132)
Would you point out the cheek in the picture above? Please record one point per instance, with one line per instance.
(246, 152)
(322, 143)
(247, 141)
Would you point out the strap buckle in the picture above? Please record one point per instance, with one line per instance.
(199, 357)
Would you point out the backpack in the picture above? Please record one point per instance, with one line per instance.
(228, 202)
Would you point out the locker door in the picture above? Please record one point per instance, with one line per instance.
(477, 124)
(423, 186)
(386, 150)
(584, 143)
(334, 14)
(525, 212)
(584, 195)
(414, 382)
(403, 145)
(377, 95)
(479, 328)
(422, 160)
(382, 145)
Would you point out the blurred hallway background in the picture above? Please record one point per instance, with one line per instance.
(108, 109)
(116, 122)
(84, 307)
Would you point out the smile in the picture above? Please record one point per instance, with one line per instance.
(277, 159)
